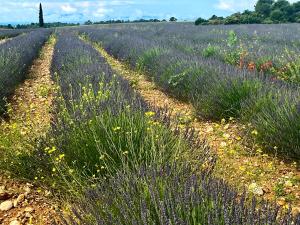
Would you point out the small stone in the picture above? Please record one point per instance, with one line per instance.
(28, 215)
(29, 209)
(19, 200)
(255, 189)
(15, 222)
(7, 205)
(27, 189)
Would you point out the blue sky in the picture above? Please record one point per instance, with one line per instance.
(24, 11)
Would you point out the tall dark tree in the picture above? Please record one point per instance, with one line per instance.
(41, 16)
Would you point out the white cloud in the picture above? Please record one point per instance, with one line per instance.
(235, 5)
(68, 8)
(120, 2)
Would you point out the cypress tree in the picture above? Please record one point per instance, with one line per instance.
(41, 17)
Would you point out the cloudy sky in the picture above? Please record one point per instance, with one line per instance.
(24, 11)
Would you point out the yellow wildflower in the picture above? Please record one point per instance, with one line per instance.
(53, 149)
(116, 129)
(254, 132)
(150, 114)
(242, 168)
(125, 153)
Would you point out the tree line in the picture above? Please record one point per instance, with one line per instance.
(266, 11)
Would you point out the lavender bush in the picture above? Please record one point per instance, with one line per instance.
(12, 33)
(171, 195)
(15, 58)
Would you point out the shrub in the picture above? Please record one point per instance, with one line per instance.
(200, 21)
(170, 196)
(222, 97)
(274, 114)
(210, 51)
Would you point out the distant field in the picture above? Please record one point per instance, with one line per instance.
(155, 123)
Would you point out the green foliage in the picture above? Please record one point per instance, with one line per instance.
(232, 39)
(266, 11)
(277, 16)
(210, 51)
(279, 189)
(200, 21)
(291, 70)
(233, 19)
(181, 83)
(148, 58)
(264, 7)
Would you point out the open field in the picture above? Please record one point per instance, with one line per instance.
(151, 124)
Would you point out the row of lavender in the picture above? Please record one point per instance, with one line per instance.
(258, 45)
(12, 33)
(122, 159)
(216, 90)
(16, 55)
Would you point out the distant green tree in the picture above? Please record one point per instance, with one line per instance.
(280, 4)
(233, 19)
(296, 6)
(41, 16)
(214, 17)
(173, 19)
(278, 16)
(200, 21)
(88, 22)
(249, 17)
(264, 7)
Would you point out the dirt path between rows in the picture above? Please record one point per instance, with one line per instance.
(243, 167)
(29, 118)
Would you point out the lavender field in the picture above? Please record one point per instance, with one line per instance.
(248, 72)
(112, 156)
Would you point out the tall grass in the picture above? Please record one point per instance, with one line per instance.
(12, 33)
